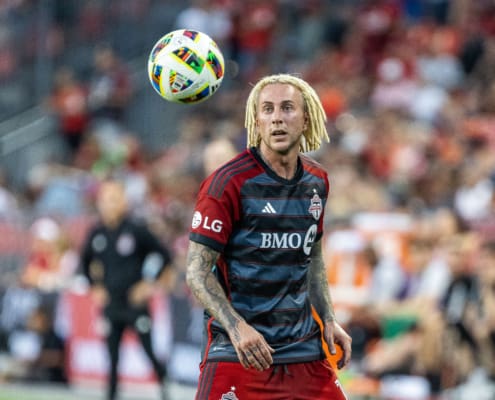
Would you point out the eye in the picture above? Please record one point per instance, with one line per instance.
(267, 108)
(287, 106)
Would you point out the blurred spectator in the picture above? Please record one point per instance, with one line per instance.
(58, 190)
(8, 57)
(428, 102)
(110, 87)
(216, 153)
(485, 326)
(255, 26)
(52, 263)
(460, 301)
(208, 16)
(427, 252)
(394, 89)
(474, 196)
(91, 21)
(439, 64)
(35, 352)
(68, 101)
(388, 278)
(311, 28)
(483, 76)
(18, 302)
(49, 364)
(376, 21)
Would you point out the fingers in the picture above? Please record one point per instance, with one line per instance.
(335, 335)
(251, 347)
(331, 346)
(344, 360)
(346, 353)
(258, 358)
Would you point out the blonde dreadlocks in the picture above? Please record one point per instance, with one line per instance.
(316, 131)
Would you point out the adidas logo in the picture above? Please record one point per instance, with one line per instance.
(268, 209)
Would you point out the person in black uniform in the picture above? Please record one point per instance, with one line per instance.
(123, 261)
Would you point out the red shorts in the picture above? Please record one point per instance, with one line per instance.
(315, 380)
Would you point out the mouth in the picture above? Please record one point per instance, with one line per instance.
(279, 133)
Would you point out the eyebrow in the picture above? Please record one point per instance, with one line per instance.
(284, 102)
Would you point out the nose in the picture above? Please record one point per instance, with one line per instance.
(276, 116)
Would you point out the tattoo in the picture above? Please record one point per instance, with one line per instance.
(319, 292)
(206, 288)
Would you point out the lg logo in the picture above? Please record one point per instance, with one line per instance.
(198, 221)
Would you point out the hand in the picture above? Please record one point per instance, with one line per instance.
(251, 347)
(335, 334)
(141, 293)
(99, 295)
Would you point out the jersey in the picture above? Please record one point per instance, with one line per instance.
(120, 254)
(264, 227)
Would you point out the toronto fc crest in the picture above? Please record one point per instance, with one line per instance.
(230, 395)
(316, 207)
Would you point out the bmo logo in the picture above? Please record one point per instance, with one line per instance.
(205, 223)
(275, 240)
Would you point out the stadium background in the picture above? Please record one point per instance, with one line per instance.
(409, 91)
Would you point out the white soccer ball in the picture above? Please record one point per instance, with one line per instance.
(186, 66)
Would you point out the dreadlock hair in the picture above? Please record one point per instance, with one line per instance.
(316, 131)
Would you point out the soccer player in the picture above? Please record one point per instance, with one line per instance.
(122, 261)
(255, 257)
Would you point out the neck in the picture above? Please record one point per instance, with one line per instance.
(112, 223)
(284, 165)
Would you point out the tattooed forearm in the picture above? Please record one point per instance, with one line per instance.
(206, 288)
(319, 293)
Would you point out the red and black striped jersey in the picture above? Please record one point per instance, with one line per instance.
(264, 227)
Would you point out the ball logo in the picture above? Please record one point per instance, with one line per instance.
(196, 220)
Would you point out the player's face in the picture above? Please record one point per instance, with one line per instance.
(111, 202)
(281, 118)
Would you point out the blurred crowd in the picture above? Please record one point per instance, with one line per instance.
(409, 91)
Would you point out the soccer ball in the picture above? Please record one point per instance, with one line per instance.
(186, 66)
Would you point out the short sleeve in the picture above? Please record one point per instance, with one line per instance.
(214, 216)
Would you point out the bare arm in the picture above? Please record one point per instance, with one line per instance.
(319, 295)
(206, 288)
(249, 344)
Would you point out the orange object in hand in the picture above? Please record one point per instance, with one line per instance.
(332, 358)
